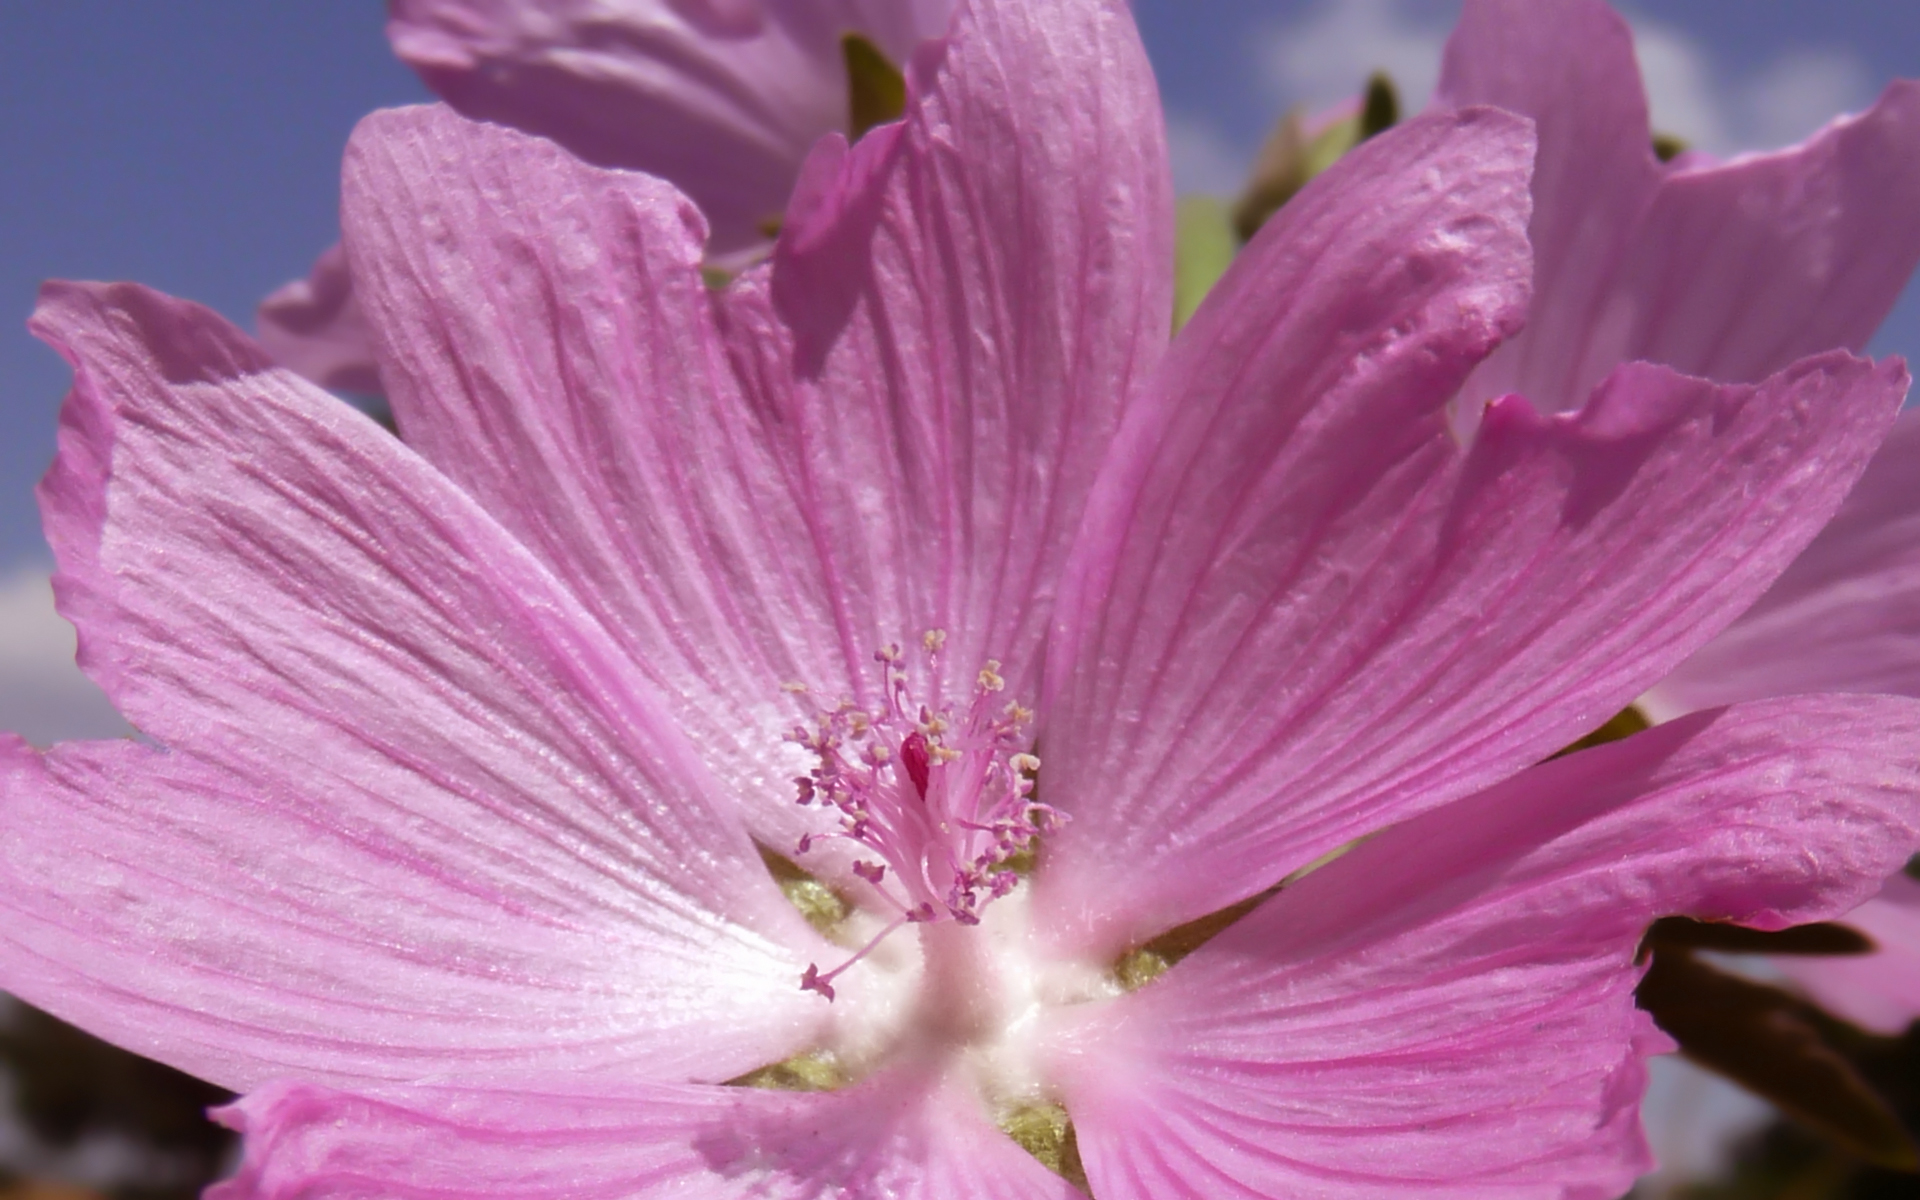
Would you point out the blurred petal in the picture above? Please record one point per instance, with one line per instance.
(314, 326)
(1878, 991)
(887, 1140)
(410, 815)
(1729, 271)
(1448, 1009)
(1845, 617)
(723, 97)
(1738, 270)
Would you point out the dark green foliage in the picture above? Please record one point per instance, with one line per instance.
(70, 1085)
(876, 91)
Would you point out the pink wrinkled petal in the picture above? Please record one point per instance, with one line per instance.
(1568, 65)
(1257, 441)
(1448, 1009)
(1878, 991)
(724, 99)
(551, 346)
(1729, 271)
(1326, 617)
(410, 813)
(1735, 271)
(1845, 617)
(890, 1139)
(973, 297)
(240, 928)
(314, 326)
(940, 492)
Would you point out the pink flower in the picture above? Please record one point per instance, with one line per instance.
(315, 326)
(1731, 272)
(442, 845)
(722, 97)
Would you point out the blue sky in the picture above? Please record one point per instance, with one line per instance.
(193, 145)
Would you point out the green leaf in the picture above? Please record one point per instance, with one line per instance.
(1769, 1042)
(1203, 249)
(876, 91)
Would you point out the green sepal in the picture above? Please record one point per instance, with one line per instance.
(1623, 724)
(823, 908)
(1290, 159)
(876, 90)
(1380, 108)
(1667, 147)
(1203, 249)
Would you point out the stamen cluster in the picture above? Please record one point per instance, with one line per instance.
(942, 799)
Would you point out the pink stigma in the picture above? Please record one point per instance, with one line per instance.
(942, 798)
(913, 756)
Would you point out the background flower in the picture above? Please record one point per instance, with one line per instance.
(722, 97)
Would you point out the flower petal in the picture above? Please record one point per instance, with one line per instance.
(1325, 615)
(723, 97)
(1448, 1009)
(1730, 271)
(550, 345)
(888, 1140)
(1569, 66)
(314, 326)
(1737, 270)
(413, 814)
(974, 295)
(1878, 991)
(1845, 617)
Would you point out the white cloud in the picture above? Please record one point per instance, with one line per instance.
(1685, 98)
(43, 696)
(1724, 112)
(1320, 61)
(1326, 55)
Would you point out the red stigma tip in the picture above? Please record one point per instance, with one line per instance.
(914, 757)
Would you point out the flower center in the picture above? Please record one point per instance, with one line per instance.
(939, 800)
